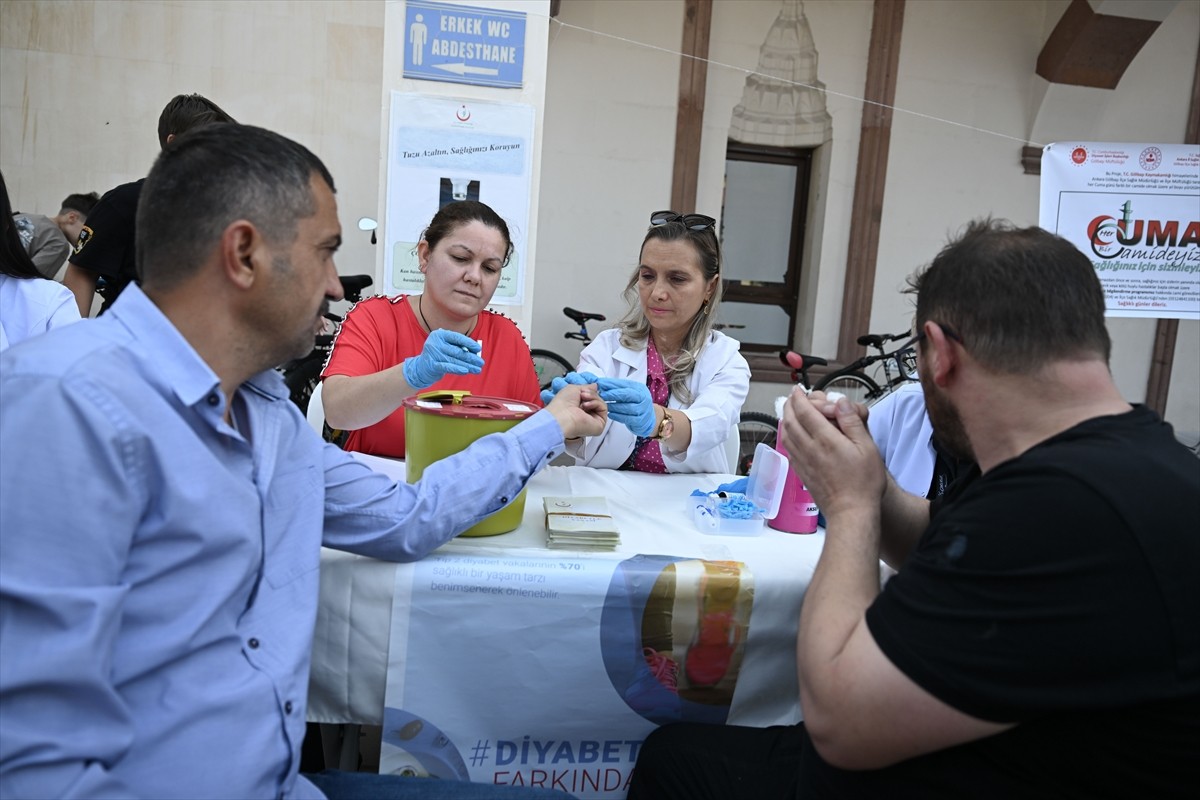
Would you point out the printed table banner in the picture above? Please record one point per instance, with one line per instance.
(1134, 211)
(533, 671)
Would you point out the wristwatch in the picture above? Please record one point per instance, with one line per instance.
(666, 427)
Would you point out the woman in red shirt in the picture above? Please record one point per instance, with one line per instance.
(390, 348)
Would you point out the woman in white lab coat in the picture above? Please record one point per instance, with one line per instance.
(674, 386)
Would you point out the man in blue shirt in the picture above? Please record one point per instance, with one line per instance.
(156, 611)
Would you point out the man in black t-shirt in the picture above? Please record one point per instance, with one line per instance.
(1042, 635)
(105, 258)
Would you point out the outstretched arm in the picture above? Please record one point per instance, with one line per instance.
(367, 513)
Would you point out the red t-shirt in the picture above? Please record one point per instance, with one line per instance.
(380, 332)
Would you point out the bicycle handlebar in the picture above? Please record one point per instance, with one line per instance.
(877, 340)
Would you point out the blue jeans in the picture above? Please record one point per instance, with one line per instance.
(339, 785)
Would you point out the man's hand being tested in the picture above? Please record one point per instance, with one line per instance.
(831, 449)
(579, 411)
(571, 378)
(445, 353)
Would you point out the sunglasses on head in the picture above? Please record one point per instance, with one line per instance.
(693, 222)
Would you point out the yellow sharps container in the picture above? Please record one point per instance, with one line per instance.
(441, 423)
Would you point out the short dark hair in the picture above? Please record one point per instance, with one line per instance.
(1018, 298)
(187, 111)
(452, 215)
(83, 203)
(208, 179)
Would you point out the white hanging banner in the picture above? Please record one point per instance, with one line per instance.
(1134, 211)
(443, 149)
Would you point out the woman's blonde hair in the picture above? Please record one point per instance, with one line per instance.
(635, 327)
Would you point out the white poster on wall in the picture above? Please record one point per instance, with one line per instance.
(1134, 211)
(443, 149)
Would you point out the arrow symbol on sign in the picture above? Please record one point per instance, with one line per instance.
(462, 69)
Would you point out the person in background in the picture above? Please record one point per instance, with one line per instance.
(674, 385)
(29, 303)
(107, 247)
(49, 240)
(1042, 635)
(916, 458)
(390, 348)
(157, 615)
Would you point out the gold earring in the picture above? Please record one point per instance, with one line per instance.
(705, 309)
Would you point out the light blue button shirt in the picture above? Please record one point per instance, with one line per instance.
(157, 604)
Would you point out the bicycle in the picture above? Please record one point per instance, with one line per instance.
(899, 367)
(550, 365)
(303, 374)
(755, 426)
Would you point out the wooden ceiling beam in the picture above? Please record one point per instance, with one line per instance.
(1090, 49)
(689, 117)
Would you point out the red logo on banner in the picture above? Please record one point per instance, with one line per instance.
(1150, 158)
(463, 114)
(1079, 155)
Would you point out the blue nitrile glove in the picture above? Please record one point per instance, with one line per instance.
(629, 403)
(556, 385)
(445, 353)
(734, 487)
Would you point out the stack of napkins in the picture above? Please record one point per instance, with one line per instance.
(580, 523)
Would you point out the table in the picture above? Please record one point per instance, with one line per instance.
(356, 635)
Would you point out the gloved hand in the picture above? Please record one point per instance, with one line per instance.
(445, 353)
(629, 403)
(556, 385)
(734, 487)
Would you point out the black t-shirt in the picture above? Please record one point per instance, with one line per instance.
(107, 244)
(1058, 591)
(947, 468)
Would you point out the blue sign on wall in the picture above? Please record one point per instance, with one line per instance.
(464, 44)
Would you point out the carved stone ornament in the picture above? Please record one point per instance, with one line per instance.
(783, 104)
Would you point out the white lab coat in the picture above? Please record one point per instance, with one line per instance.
(900, 426)
(719, 385)
(30, 306)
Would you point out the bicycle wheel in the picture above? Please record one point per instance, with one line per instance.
(548, 366)
(856, 386)
(754, 427)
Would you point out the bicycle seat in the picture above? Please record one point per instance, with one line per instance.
(582, 316)
(806, 361)
(352, 285)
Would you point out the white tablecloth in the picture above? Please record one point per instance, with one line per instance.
(354, 622)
